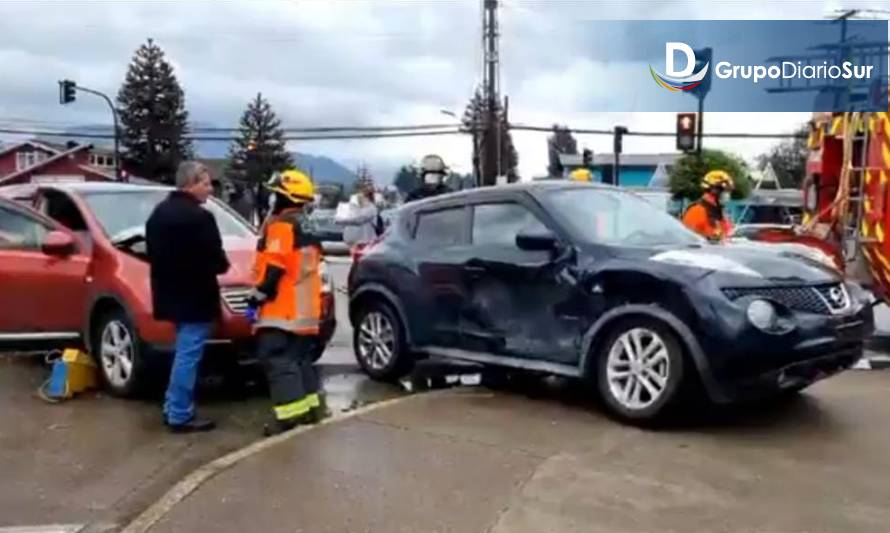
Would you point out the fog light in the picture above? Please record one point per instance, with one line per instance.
(762, 315)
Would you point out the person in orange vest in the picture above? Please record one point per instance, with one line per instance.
(285, 304)
(706, 216)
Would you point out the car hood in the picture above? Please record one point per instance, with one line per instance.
(745, 261)
(241, 252)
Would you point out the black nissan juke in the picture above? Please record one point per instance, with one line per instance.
(591, 282)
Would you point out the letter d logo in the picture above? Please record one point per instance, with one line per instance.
(669, 52)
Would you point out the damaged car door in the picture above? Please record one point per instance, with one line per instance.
(519, 301)
(441, 246)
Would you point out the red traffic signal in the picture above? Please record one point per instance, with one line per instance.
(686, 128)
(66, 91)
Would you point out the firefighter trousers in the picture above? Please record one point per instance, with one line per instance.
(287, 363)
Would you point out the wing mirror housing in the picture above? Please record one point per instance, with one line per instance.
(537, 241)
(59, 244)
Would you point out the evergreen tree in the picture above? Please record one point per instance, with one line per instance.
(260, 149)
(485, 160)
(151, 106)
(687, 173)
(561, 142)
(407, 179)
(789, 159)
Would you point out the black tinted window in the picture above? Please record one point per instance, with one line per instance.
(498, 224)
(441, 228)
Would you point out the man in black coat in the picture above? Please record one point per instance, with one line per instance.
(186, 255)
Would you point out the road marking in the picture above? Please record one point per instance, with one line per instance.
(193, 481)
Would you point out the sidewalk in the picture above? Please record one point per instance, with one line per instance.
(471, 460)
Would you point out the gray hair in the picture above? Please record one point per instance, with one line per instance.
(189, 173)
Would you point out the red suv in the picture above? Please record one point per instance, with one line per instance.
(73, 271)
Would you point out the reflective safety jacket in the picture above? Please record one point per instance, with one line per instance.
(287, 272)
(706, 218)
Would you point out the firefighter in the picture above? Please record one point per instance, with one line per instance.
(706, 216)
(432, 173)
(286, 304)
(581, 174)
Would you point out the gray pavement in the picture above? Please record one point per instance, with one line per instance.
(100, 460)
(474, 460)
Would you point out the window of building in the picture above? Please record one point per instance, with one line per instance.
(25, 160)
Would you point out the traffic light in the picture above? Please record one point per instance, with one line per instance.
(66, 91)
(702, 58)
(686, 132)
(587, 157)
(618, 143)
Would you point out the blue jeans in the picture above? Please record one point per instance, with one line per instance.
(179, 402)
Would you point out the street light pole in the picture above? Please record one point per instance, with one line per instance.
(117, 155)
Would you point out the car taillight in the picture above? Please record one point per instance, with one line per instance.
(360, 250)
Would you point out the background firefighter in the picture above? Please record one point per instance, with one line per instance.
(706, 216)
(287, 303)
(432, 175)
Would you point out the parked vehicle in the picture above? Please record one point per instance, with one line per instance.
(73, 270)
(570, 279)
(322, 222)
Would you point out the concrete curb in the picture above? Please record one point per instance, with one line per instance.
(158, 510)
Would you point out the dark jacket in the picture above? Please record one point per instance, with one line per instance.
(427, 191)
(186, 254)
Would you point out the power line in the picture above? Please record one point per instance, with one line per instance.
(16, 122)
(382, 135)
(581, 131)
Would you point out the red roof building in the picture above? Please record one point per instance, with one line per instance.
(33, 161)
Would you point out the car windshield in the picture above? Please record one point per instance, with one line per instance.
(602, 216)
(123, 214)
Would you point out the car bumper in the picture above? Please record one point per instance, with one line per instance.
(233, 333)
(744, 362)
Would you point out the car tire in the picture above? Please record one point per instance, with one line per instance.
(640, 370)
(119, 353)
(378, 342)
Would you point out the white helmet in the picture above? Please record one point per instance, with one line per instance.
(432, 164)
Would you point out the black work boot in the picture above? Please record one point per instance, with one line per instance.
(276, 426)
(195, 425)
(319, 412)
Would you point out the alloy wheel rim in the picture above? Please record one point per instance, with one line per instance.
(376, 340)
(116, 353)
(637, 368)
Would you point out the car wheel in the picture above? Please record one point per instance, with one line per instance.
(379, 343)
(640, 370)
(118, 352)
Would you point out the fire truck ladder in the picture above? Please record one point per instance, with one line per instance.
(850, 200)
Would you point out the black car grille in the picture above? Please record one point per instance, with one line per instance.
(818, 299)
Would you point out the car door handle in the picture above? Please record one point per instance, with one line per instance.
(474, 271)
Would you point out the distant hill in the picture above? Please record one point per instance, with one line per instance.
(324, 169)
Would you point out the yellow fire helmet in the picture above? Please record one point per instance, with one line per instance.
(717, 178)
(293, 184)
(581, 174)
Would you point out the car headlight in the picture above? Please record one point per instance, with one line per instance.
(763, 315)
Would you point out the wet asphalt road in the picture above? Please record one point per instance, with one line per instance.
(99, 460)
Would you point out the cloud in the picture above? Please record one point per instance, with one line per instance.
(357, 62)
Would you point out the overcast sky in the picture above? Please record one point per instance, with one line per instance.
(354, 62)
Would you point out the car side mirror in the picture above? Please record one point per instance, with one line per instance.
(58, 244)
(536, 241)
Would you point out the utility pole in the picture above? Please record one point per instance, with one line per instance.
(491, 158)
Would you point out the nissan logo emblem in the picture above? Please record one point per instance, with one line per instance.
(837, 295)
